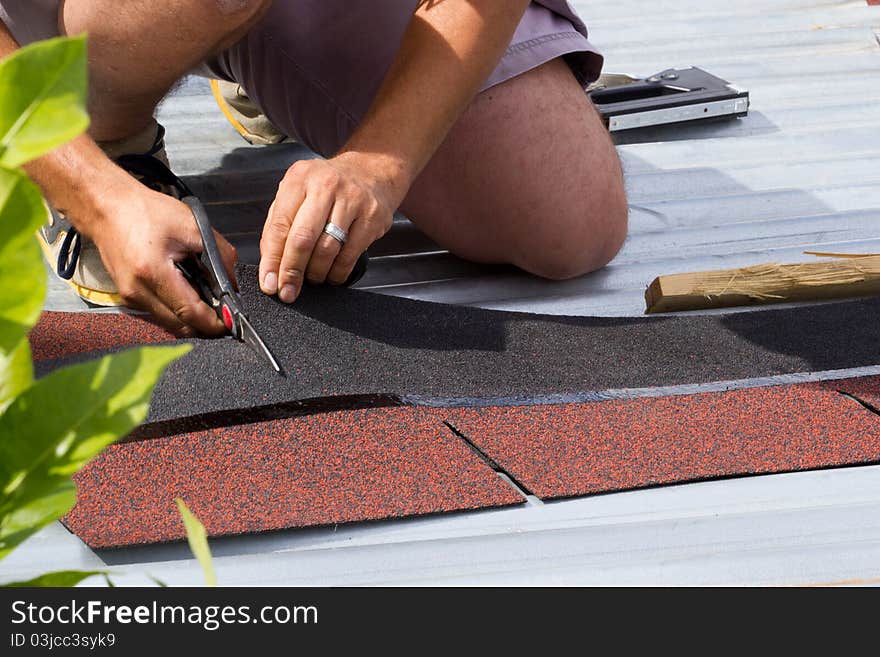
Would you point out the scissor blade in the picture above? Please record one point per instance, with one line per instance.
(253, 340)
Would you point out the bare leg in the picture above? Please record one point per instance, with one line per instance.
(528, 176)
(138, 51)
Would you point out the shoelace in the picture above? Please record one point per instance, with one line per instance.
(147, 169)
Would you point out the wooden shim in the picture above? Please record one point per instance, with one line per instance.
(768, 283)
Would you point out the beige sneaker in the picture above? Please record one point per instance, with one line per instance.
(247, 119)
(75, 258)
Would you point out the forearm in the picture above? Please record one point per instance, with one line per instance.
(79, 180)
(77, 176)
(447, 52)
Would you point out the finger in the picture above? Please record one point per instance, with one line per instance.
(145, 300)
(275, 231)
(307, 227)
(329, 247)
(359, 240)
(139, 297)
(178, 296)
(167, 319)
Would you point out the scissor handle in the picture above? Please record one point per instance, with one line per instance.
(210, 256)
(213, 284)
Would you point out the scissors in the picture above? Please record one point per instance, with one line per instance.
(207, 275)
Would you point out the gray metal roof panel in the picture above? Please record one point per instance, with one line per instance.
(800, 528)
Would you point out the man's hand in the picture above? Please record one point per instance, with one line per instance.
(139, 233)
(447, 52)
(140, 239)
(343, 190)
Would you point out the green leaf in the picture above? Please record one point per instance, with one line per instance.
(58, 579)
(158, 582)
(43, 89)
(65, 419)
(27, 519)
(197, 538)
(16, 372)
(22, 273)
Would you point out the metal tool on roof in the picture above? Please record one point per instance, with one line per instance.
(207, 275)
(669, 97)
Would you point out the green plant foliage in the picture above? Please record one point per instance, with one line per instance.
(50, 428)
(197, 538)
(43, 91)
(21, 213)
(24, 280)
(42, 105)
(22, 520)
(16, 371)
(60, 578)
(64, 420)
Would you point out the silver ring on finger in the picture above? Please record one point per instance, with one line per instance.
(336, 233)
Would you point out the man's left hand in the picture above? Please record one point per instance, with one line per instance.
(294, 247)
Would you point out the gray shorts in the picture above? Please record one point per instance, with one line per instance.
(314, 66)
(317, 88)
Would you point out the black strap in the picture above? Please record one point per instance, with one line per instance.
(68, 254)
(153, 173)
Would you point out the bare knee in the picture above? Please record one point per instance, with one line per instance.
(529, 177)
(582, 238)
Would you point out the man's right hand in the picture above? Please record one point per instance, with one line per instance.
(141, 235)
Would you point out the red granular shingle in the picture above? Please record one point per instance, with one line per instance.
(318, 470)
(865, 388)
(58, 335)
(576, 449)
